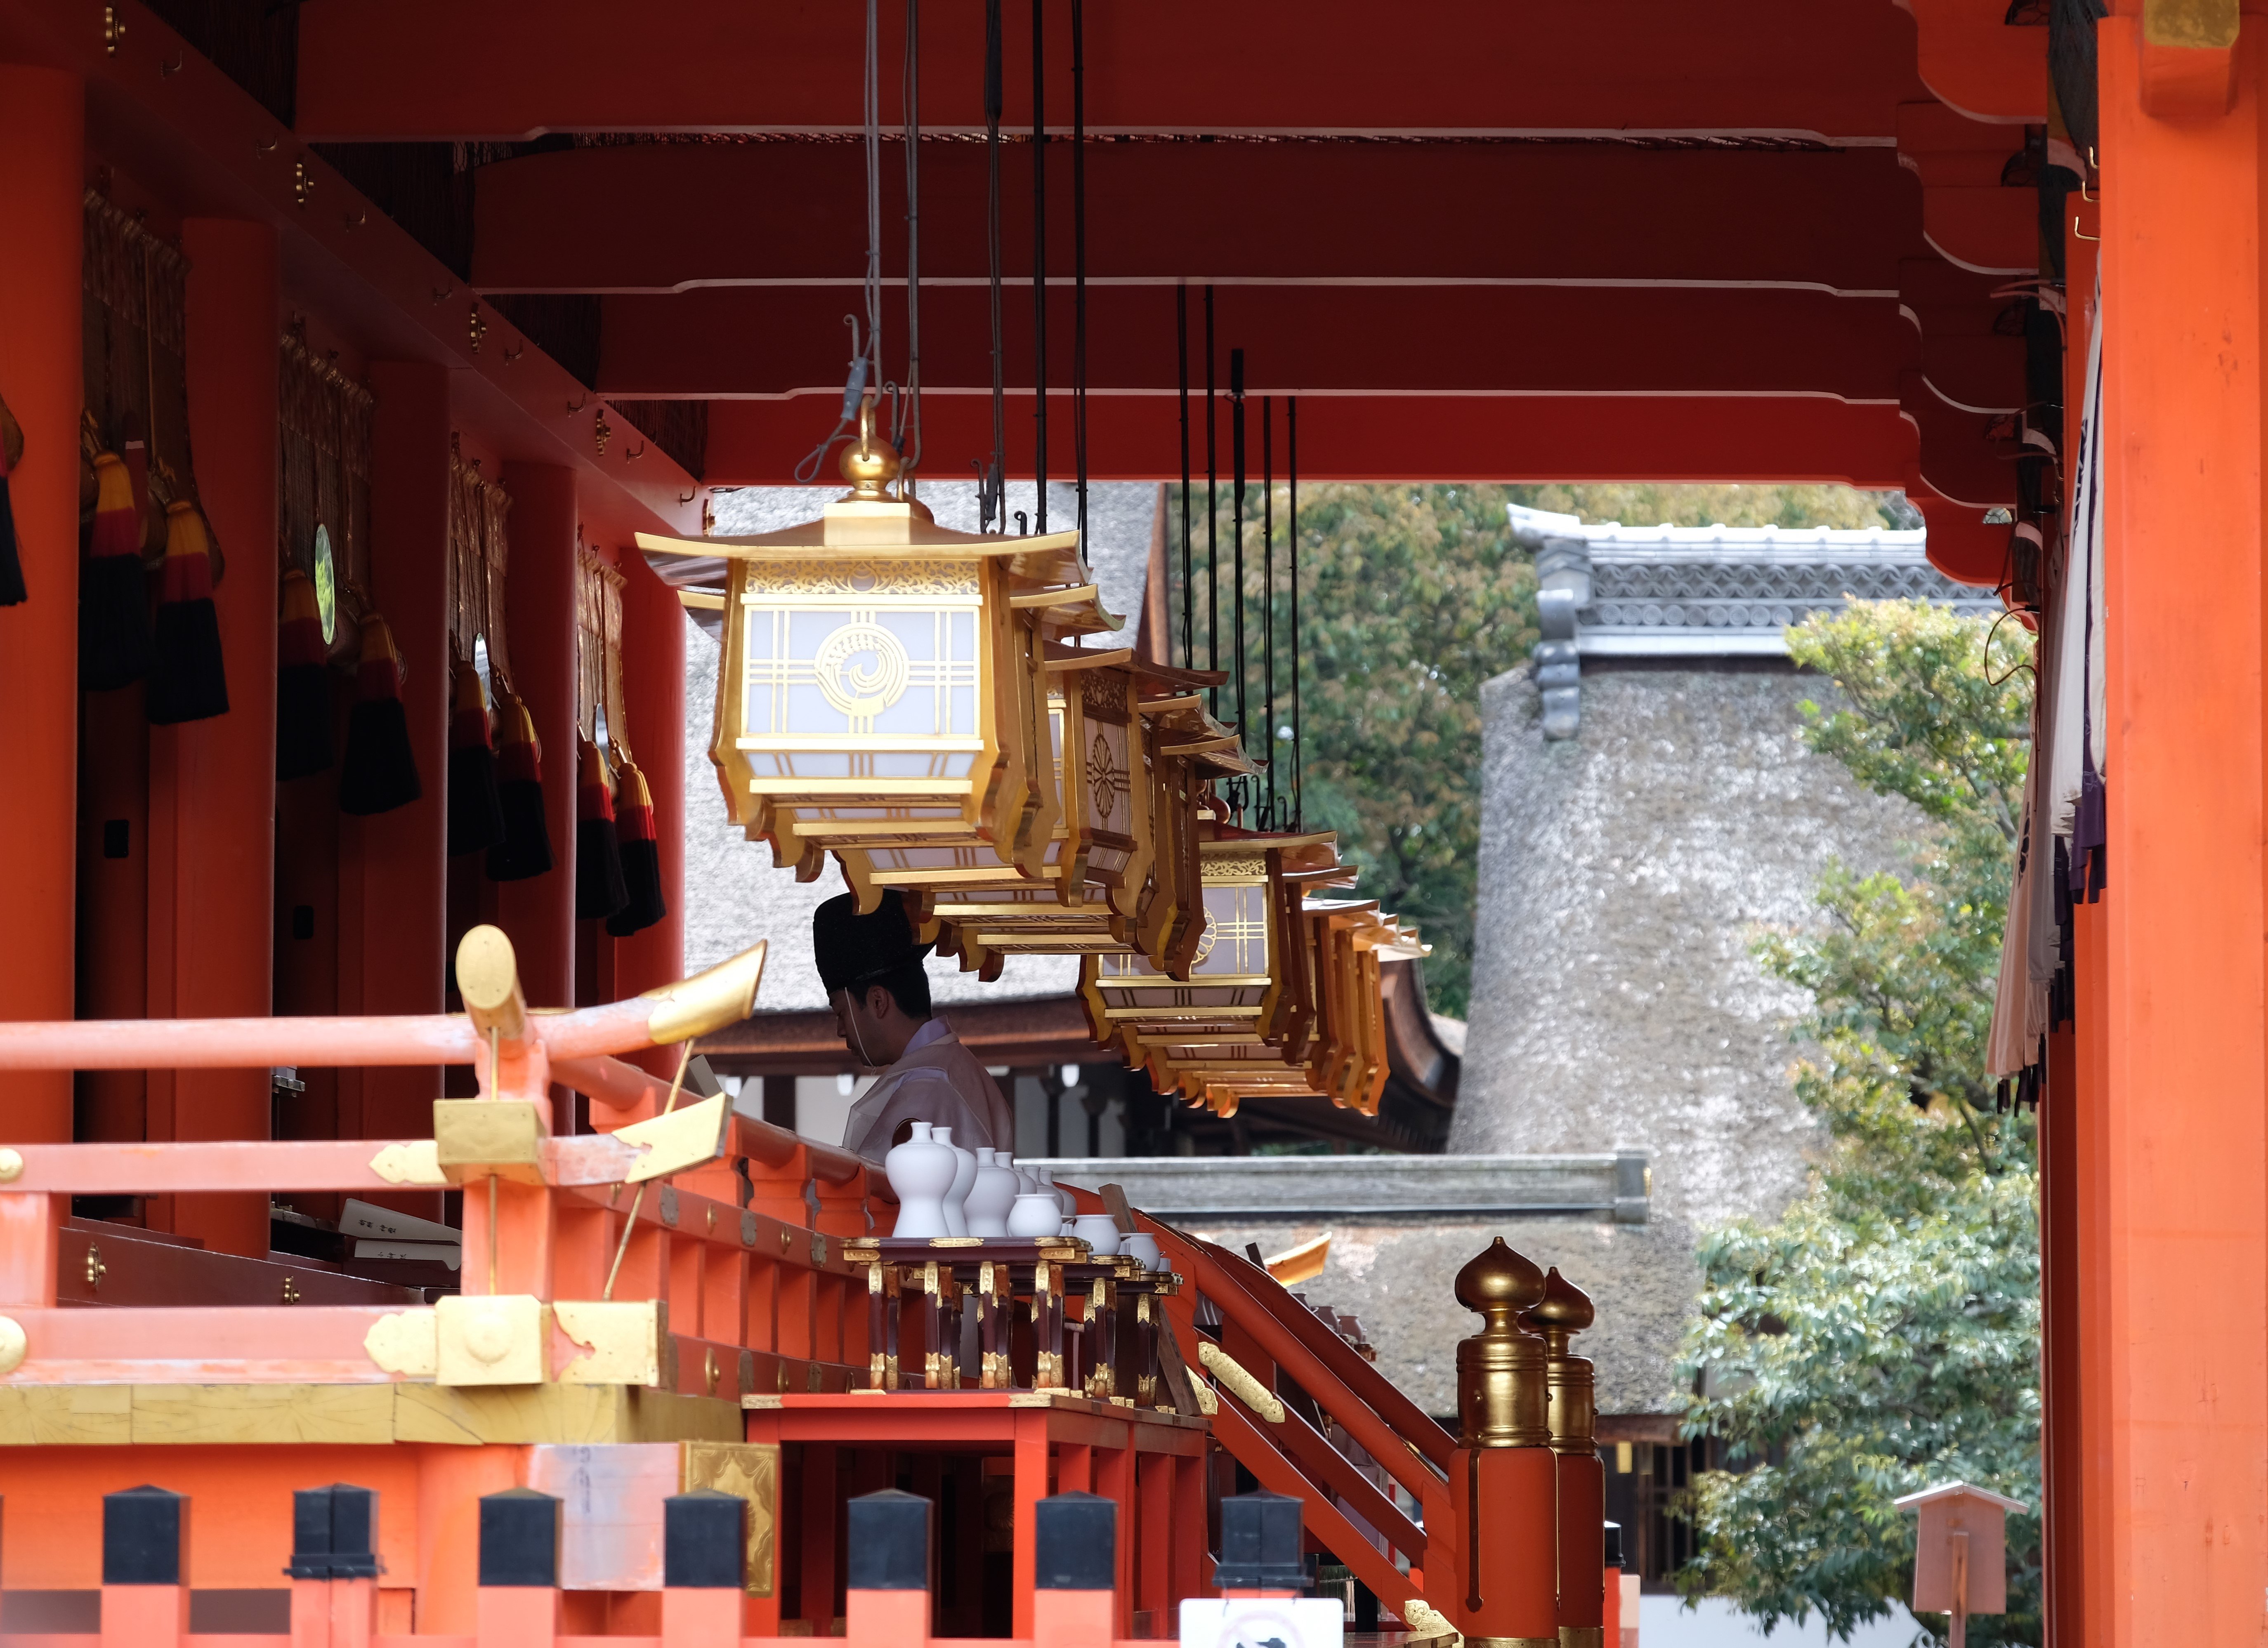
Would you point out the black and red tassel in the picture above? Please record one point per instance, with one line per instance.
(598, 889)
(476, 811)
(641, 855)
(188, 679)
(526, 849)
(12, 591)
(379, 772)
(114, 597)
(303, 683)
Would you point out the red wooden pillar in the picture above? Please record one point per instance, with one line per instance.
(653, 679)
(213, 782)
(43, 133)
(391, 866)
(539, 913)
(2183, 1216)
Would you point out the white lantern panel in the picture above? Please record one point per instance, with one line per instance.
(859, 672)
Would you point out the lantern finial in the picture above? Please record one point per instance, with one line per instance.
(869, 464)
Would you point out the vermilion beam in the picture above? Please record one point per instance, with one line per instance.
(1455, 339)
(658, 217)
(512, 69)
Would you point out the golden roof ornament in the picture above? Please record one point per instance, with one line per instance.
(1501, 1394)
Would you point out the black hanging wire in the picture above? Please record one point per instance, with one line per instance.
(1268, 601)
(992, 485)
(1181, 340)
(1236, 537)
(1078, 250)
(1039, 266)
(1292, 463)
(1212, 515)
(908, 434)
(866, 352)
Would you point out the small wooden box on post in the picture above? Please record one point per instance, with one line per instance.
(1961, 1554)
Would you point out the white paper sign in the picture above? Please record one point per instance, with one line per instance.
(1262, 1623)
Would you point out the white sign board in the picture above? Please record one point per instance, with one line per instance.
(1263, 1623)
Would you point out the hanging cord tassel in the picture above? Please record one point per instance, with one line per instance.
(990, 503)
(1078, 250)
(1182, 344)
(1038, 267)
(1292, 463)
(12, 566)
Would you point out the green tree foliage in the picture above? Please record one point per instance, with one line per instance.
(1409, 598)
(1882, 1335)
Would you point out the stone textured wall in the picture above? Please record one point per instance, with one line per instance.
(1623, 874)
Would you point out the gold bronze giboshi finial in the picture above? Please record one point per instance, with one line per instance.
(1501, 1396)
(870, 463)
(1566, 1310)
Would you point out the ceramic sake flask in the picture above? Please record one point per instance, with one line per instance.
(1098, 1231)
(964, 1177)
(921, 1171)
(1035, 1215)
(1143, 1248)
(1064, 1199)
(992, 1196)
(1027, 1182)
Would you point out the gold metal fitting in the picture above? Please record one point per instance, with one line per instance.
(723, 995)
(1501, 1394)
(487, 979)
(869, 464)
(13, 1345)
(95, 1269)
(11, 1165)
(1572, 1402)
(474, 1138)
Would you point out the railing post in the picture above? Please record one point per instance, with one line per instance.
(1610, 1612)
(1502, 1481)
(705, 1549)
(1075, 1598)
(145, 1592)
(1260, 1552)
(333, 1567)
(887, 1600)
(1581, 1479)
(519, 1603)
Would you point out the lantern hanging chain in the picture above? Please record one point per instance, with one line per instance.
(1292, 464)
(1078, 250)
(866, 351)
(1212, 513)
(1236, 530)
(1268, 601)
(908, 431)
(992, 509)
(1038, 267)
(1182, 343)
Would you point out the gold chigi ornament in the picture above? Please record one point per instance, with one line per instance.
(884, 691)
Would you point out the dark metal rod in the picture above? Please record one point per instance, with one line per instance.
(1182, 341)
(1236, 527)
(911, 445)
(993, 493)
(1268, 600)
(1212, 515)
(1292, 462)
(1040, 265)
(1079, 249)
